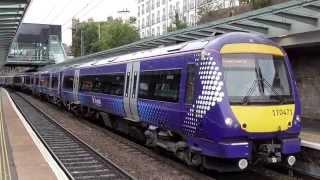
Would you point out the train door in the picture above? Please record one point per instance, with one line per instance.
(59, 84)
(76, 86)
(131, 91)
(50, 82)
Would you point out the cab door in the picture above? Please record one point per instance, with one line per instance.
(131, 91)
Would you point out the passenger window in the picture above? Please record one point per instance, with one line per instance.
(54, 82)
(107, 84)
(190, 85)
(113, 84)
(68, 82)
(45, 80)
(97, 84)
(37, 80)
(160, 85)
(86, 83)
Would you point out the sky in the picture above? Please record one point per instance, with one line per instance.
(61, 12)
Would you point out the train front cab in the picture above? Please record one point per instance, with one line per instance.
(258, 117)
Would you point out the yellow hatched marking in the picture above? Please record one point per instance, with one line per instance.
(5, 167)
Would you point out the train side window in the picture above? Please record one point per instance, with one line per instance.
(97, 84)
(27, 79)
(54, 82)
(36, 80)
(107, 84)
(190, 85)
(86, 83)
(68, 82)
(113, 84)
(45, 80)
(160, 85)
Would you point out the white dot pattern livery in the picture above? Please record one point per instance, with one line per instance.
(211, 94)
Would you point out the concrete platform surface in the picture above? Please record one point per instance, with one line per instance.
(310, 134)
(27, 158)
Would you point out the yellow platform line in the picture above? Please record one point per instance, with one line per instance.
(5, 166)
(3, 173)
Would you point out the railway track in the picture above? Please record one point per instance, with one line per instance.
(76, 158)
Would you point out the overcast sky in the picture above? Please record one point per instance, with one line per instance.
(62, 11)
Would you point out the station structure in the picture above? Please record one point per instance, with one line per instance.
(294, 25)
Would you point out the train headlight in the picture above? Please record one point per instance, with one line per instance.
(242, 164)
(291, 160)
(298, 119)
(228, 121)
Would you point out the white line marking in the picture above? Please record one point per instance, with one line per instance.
(47, 156)
(310, 144)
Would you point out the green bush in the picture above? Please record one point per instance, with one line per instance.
(257, 4)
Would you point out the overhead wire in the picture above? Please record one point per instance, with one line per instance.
(85, 12)
(93, 7)
(78, 13)
(50, 12)
(82, 10)
(61, 11)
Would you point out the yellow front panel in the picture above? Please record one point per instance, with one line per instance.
(264, 118)
(250, 48)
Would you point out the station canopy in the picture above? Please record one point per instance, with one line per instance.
(11, 15)
(278, 21)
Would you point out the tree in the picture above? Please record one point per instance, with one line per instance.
(116, 33)
(178, 24)
(98, 36)
(132, 20)
(241, 2)
(212, 12)
(257, 4)
(76, 42)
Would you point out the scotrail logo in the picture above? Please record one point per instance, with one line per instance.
(96, 101)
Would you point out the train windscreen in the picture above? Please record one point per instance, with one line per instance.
(256, 78)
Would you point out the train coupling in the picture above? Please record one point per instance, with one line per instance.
(269, 153)
(273, 159)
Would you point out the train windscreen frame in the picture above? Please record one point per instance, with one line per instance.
(256, 78)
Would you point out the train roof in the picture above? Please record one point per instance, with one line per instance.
(90, 62)
(96, 60)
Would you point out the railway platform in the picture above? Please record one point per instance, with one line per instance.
(310, 134)
(23, 156)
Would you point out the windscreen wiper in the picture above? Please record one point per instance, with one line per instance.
(245, 98)
(265, 82)
(277, 93)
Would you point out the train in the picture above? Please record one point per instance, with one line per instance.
(222, 103)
